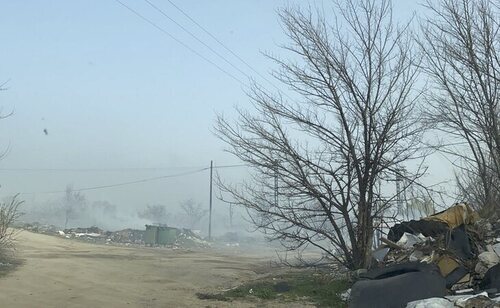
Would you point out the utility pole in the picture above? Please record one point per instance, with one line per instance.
(210, 202)
(231, 213)
(276, 183)
(399, 192)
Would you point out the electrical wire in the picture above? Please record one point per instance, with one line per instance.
(93, 169)
(113, 169)
(137, 181)
(196, 38)
(206, 45)
(121, 184)
(181, 42)
(220, 43)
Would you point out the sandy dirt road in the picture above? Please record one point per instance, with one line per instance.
(63, 273)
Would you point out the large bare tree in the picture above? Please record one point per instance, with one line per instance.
(461, 43)
(350, 121)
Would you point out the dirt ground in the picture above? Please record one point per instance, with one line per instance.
(64, 273)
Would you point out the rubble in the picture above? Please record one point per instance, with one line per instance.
(37, 227)
(396, 285)
(486, 260)
(184, 238)
(455, 216)
(434, 302)
(409, 240)
(127, 236)
(450, 259)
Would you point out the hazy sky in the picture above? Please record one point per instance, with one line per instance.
(114, 92)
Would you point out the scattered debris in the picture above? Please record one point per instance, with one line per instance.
(486, 260)
(450, 259)
(409, 240)
(396, 285)
(346, 295)
(187, 239)
(380, 254)
(455, 216)
(38, 227)
(434, 302)
(152, 236)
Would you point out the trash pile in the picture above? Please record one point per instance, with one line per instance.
(126, 236)
(188, 239)
(91, 234)
(181, 238)
(450, 259)
(96, 235)
(37, 227)
(162, 235)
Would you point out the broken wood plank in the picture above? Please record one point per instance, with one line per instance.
(390, 243)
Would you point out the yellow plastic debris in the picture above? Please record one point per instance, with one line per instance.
(460, 213)
(447, 265)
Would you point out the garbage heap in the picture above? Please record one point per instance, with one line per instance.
(179, 238)
(450, 259)
(37, 227)
(97, 235)
(162, 235)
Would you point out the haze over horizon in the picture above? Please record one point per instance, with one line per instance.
(102, 97)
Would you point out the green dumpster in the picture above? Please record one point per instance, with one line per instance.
(151, 235)
(166, 235)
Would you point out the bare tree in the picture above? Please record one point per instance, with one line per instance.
(193, 212)
(156, 213)
(351, 121)
(9, 208)
(74, 204)
(9, 213)
(461, 43)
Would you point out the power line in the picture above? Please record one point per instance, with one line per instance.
(181, 42)
(199, 54)
(231, 166)
(114, 169)
(95, 169)
(138, 181)
(221, 43)
(123, 183)
(196, 38)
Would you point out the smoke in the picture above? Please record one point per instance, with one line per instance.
(76, 210)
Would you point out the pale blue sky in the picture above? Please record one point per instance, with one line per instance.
(114, 92)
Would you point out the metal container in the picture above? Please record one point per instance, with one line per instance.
(166, 236)
(151, 235)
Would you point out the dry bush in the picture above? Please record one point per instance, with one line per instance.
(9, 213)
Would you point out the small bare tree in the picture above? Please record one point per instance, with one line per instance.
(9, 213)
(9, 208)
(192, 212)
(461, 43)
(351, 122)
(156, 213)
(74, 203)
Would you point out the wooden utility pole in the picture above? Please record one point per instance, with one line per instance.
(210, 202)
(231, 213)
(276, 183)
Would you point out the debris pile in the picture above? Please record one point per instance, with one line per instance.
(37, 227)
(126, 236)
(177, 238)
(91, 234)
(450, 259)
(188, 239)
